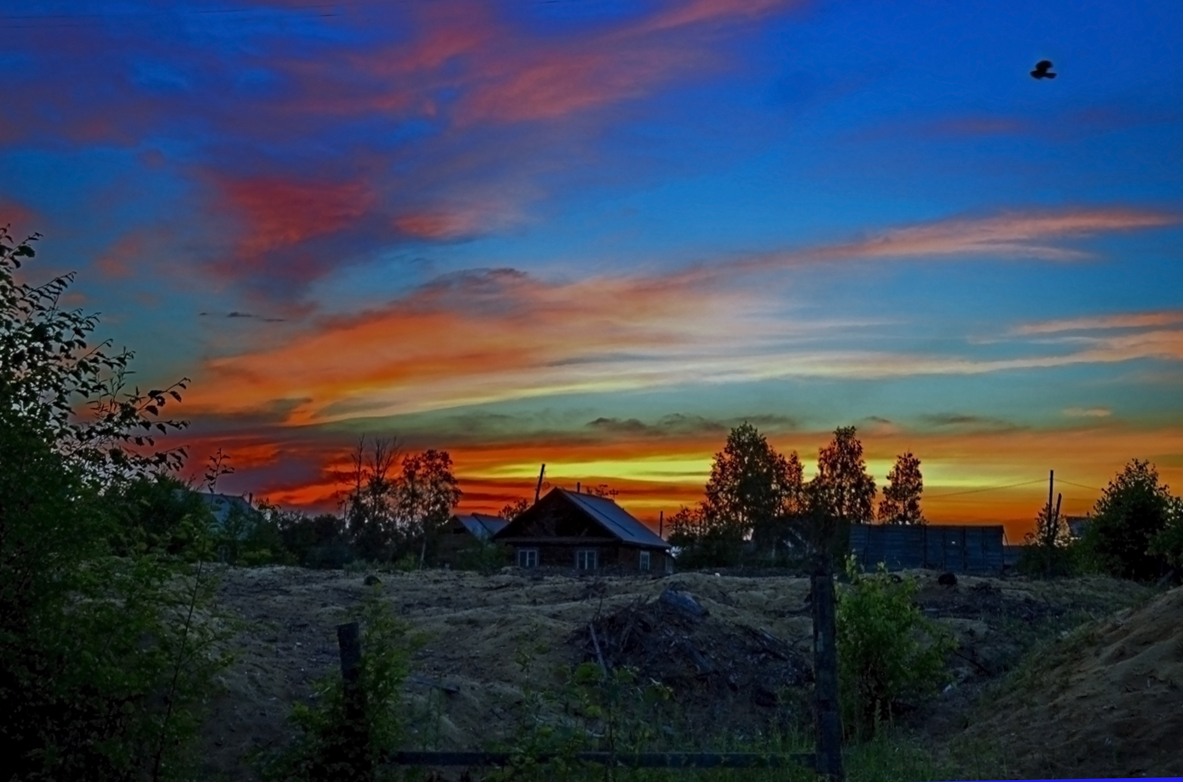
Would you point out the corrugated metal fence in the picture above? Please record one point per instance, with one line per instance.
(960, 549)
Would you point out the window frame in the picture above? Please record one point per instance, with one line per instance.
(582, 554)
(530, 555)
(644, 561)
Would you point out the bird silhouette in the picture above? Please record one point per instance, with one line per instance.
(1043, 70)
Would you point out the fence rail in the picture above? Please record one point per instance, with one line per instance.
(624, 759)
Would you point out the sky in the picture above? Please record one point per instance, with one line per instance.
(599, 234)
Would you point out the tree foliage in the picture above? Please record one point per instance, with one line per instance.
(842, 488)
(391, 515)
(1132, 512)
(751, 482)
(1047, 552)
(48, 368)
(102, 666)
(1168, 543)
(514, 509)
(901, 496)
(888, 651)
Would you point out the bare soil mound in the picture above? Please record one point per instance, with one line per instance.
(1107, 701)
(721, 671)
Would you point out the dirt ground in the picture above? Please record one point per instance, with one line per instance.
(490, 639)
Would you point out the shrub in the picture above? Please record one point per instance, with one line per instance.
(104, 653)
(321, 748)
(483, 557)
(888, 650)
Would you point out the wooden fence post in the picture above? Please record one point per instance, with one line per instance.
(357, 765)
(825, 671)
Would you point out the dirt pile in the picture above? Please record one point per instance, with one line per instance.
(721, 671)
(1107, 701)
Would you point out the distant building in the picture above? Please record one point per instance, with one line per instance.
(585, 533)
(222, 505)
(466, 530)
(956, 548)
(1077, 525)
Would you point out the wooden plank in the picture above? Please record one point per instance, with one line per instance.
(825, 675)
(626, 759)
(355, 764)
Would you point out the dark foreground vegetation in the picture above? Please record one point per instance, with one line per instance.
(111, 642)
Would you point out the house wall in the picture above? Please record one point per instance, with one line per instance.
(611, 557)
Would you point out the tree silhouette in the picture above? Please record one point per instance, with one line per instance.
(1132, 511)
(901, 495)
(751, 482)
(427, 493)
(842, 489)
(514, 509)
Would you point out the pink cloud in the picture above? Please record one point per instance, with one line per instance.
(1006, 236)
(1130, 320)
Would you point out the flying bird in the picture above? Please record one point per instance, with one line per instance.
(1043, 70)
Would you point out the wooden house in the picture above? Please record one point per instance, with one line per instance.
(585, 533)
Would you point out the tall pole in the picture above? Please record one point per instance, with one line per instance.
(538, 488)
(1051, 483)
(661, 524)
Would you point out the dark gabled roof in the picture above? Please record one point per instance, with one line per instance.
(481, 525)
(615, 519)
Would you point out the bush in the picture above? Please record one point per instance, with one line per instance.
(1132, 512)
(888, 651)
(321, 749)
(483, 557)
(104, 654)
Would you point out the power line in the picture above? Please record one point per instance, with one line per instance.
(1079, 485)
(987, 488)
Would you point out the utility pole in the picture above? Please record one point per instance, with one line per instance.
(538, 488)
(661, 524)
(1051, 484)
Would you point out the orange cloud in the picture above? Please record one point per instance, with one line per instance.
(480, 336)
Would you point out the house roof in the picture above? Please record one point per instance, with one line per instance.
(223, 504)
(615, 519)
(481, 525)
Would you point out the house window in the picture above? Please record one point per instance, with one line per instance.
(643, 564)
(585, 559)
(527, 557)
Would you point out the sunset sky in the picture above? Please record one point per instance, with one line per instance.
(599, 234)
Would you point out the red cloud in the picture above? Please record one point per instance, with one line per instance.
(280, 213)
(118, 259)
(22, 219)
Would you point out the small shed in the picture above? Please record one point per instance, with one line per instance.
(586, 533)
(465, 530)
(951, 547)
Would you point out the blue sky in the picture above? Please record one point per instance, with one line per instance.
(599, 234)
